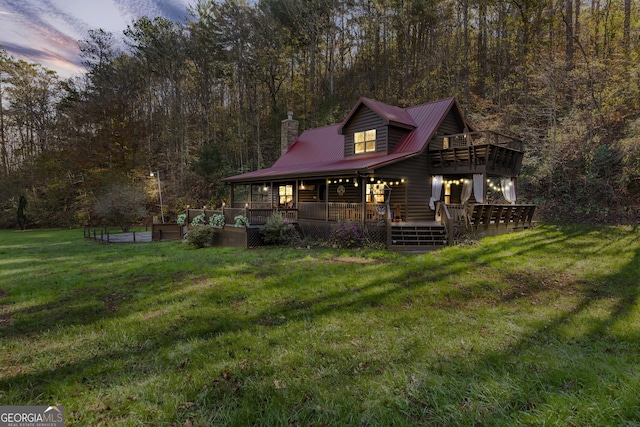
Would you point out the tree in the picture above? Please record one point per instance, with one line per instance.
(122, 206)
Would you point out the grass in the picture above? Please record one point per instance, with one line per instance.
(534, 328)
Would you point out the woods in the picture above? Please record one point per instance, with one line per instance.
(203, 99)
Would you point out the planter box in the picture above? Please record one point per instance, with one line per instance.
(238, 237)
(167, 232)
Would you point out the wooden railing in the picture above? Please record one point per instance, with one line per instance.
(311, 211)
(260, 216)
(483, 138)
(485, 217)
(479, 217)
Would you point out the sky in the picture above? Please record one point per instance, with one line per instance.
(47, 32)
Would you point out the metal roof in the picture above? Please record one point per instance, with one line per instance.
(388, 113)
(320, 151)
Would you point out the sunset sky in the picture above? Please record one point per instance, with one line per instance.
(46, 32)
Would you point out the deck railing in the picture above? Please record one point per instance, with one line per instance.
(483, 138)
(479, 217)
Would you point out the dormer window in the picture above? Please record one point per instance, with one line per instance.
(365, 141)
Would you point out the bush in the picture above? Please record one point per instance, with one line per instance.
(200, 236)
(278, 231)
(346, 234)
(122, 206)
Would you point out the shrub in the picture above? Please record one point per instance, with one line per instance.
(217, 220)
(278, 231)
(346, 234)
(182, 218)
(200, 236)
(121, 206)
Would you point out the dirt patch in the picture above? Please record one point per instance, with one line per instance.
(354, 260)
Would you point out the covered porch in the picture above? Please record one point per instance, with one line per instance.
(362, 199)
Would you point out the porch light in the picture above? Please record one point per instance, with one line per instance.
(372, 179)
(265, 188)
(302, 185)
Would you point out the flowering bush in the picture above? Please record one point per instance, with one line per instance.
(346, 234)
(241, 221)
(182, 218)
(217, 220)
(199, 220)
(278, 231)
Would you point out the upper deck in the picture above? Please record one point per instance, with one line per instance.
(476, 152)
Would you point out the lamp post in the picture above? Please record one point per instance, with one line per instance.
(157, 174)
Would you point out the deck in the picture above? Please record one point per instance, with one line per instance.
(477, 152)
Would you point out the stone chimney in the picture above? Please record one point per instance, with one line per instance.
(289, 132)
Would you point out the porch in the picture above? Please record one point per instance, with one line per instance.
(451, 220)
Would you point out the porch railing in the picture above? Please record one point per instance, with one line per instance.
(318, 211)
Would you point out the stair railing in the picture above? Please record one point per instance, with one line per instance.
(444, 216)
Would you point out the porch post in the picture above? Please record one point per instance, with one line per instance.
(271, 194)
(485, 187)
(326, 202)
(363, 198)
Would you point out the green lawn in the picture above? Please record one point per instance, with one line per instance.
(534, 328)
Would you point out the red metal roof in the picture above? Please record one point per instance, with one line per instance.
(320, 151)
(390, 114)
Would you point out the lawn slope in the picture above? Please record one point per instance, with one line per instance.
(531, 328)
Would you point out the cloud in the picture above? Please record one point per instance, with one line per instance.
(69, 64)
(47, 31)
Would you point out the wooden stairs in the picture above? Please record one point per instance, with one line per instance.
(417, 235)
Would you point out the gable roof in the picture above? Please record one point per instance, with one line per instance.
(321, 150)
(389, 114)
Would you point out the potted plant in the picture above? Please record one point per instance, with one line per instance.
(241, 221)
(198, 220)
(217, 220)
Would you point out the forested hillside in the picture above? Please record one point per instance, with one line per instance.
(203, 99)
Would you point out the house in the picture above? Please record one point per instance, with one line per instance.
(414, 176)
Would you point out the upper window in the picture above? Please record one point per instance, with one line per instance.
(365, 141)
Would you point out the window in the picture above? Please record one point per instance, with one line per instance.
(285, 193)
(375, 193)
(365, 141)
(445, 142)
